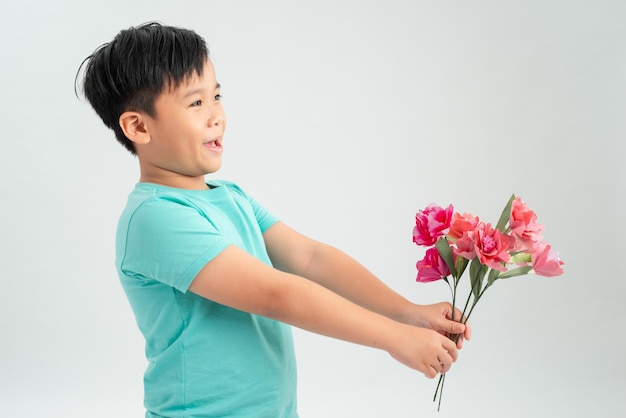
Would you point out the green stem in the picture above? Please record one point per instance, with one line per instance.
(453, 302)
(452, 290)
(455, 338)
(443, 380)
(475, 302)
(437, 388)
(469, 296)
(442, 377)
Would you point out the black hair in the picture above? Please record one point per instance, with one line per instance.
(132, 70)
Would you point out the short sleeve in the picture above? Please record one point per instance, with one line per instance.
(169, 242)
(264, 217)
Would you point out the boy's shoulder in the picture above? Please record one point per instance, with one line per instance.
(147, 196)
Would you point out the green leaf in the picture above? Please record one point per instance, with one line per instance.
(520, 257)
(515, 272)
(477, 274)
(493, 276)
(443, 246)
(506, 215)
(461, 264)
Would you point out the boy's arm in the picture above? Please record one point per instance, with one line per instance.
(239, 280)
(293, 252)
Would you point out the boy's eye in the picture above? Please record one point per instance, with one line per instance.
(218, 97)
(197, 103)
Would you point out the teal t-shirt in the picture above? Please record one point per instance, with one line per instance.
(204, 359)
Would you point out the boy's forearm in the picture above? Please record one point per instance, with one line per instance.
(310, 306)
(342, 274)
(236, 279)
(295, 253)
(314, 308)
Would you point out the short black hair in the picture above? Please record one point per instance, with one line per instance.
(132, 70)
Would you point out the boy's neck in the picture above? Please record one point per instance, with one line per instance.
(177, 181)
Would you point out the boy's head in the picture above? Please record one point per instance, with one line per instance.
(140, 63)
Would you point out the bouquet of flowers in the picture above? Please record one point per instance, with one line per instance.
(514, 247)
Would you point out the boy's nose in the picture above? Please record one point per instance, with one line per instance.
(217, 119)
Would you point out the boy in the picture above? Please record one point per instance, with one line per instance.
(212, 277)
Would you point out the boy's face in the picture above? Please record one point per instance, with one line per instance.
(185, 134)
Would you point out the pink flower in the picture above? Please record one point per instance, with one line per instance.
(462, 223)
(432, 267)
(490, 246)
(464, 247)
(523, 226)
(431, 223)
(546, 261)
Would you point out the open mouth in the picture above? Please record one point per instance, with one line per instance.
(215, 144)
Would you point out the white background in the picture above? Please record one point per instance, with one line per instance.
(345, 118)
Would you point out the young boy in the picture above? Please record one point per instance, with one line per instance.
(213, 278)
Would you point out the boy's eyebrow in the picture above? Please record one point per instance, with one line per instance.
(199, 89)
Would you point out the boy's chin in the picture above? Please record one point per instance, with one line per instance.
(213, 170)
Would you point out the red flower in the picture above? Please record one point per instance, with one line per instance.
(432, 267)
(431, 223)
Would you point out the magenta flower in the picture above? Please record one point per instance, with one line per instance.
(432, 267)
(431, 223)
(546, 261)
(523, 226)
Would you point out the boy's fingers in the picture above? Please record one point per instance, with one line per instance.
(455, 327)
(459, 343)
(451, 349)
(445, 362)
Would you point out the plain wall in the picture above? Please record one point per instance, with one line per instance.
(345, 118)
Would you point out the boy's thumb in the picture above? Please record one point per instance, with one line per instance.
(455, 327)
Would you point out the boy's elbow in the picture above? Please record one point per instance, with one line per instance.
(283, 301)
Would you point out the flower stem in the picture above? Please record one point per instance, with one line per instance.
(455, 337)
(443, 380)
(437, 388)
(474, 302)
(440, 383)
(469, 296)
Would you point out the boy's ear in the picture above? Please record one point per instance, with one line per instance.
(134, 126)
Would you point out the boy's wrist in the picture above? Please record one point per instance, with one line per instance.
(409, 314)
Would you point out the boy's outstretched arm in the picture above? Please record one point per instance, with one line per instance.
(235, 278)
(295, 253)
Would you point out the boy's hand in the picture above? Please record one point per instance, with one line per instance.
(438, 317)
(425, 350)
